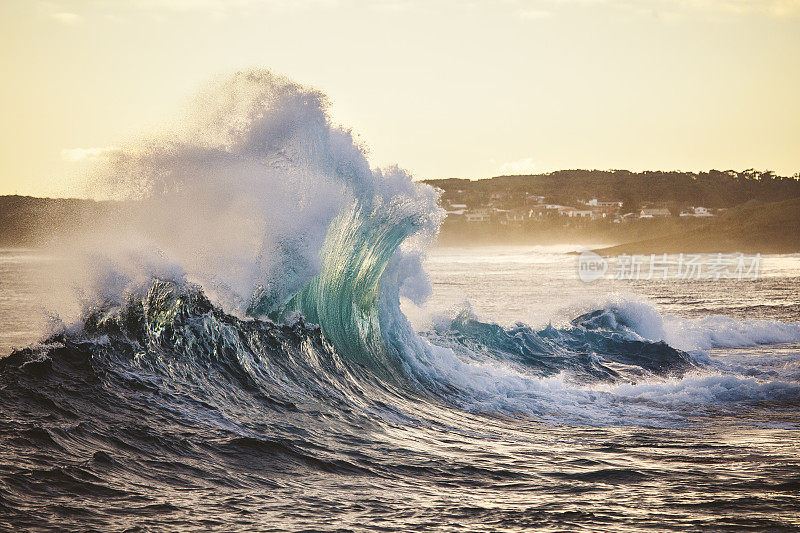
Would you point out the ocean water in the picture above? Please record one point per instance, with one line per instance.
(265, 340)
(203, 422)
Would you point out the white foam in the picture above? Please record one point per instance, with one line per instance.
(705, 333)
(724, 332)
(708, 389)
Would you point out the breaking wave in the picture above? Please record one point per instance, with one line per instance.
(261, 202)
(240, 351)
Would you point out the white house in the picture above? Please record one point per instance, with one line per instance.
(653, 212)
(514, 217)
(576, 213)
(699, 212)
(594, 202)
(478, 215)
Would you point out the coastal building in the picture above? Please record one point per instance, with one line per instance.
(478, 215)
(456, 207)
(576, 213)
(454, 211)
(654, 212)
(538, 211)
(594, 202)
(698, 212)
(604, 208)
(514, 217)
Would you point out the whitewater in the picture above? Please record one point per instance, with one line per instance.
(264, 338)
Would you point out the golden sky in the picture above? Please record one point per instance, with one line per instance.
(444, 88)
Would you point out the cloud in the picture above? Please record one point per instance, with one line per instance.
(76, 155)
(520, 166)
(66, 18)
(535, 14)
(55, 12)
(210, 6)
(524, 9)
(777, 8)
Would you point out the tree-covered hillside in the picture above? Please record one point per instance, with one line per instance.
(715, 188)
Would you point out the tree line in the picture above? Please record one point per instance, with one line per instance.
(714, 188)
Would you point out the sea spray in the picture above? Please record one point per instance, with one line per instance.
(242, 192)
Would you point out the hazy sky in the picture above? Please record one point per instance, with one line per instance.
(444, 88)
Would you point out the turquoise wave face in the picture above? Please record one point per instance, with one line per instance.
(346, 297)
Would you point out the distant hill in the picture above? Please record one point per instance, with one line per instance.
(754, 227)
(765, 227)
(26, 221)
(715, 188)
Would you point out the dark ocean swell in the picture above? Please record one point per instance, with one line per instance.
(168, 411)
